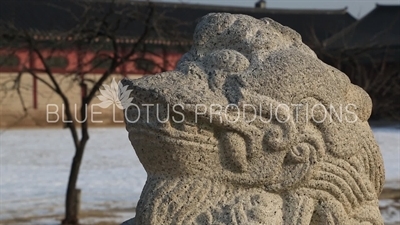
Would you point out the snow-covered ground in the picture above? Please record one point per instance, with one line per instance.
(389, 141)
(34, 167)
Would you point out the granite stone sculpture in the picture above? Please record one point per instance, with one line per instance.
(252, 128)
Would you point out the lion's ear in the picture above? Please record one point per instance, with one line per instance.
(309, 150)
(301, 158)
(310, 142)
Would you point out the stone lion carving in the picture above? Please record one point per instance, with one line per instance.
(272, 164)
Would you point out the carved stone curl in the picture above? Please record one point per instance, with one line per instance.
(252, 128)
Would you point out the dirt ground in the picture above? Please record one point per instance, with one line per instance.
(91, 217)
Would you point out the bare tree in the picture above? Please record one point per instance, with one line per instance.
(374, 68)
(380, 78)
(98, 30)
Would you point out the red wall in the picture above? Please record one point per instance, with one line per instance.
(163, 61)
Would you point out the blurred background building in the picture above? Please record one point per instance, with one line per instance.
(71, 41)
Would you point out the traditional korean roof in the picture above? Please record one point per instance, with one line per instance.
(48, 19)
(376, 35)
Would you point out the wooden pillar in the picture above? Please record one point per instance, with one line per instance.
(34, 82)
(124, 66)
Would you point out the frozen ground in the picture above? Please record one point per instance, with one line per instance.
(34, 167)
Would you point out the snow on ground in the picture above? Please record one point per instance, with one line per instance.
(388, 139)
(34, 167)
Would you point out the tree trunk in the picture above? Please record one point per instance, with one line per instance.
(71, 210)
(71, 214)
